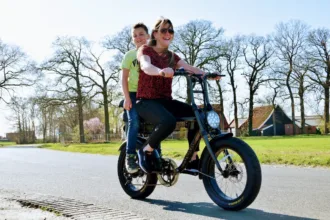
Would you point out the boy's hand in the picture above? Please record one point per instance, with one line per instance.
(128, 104)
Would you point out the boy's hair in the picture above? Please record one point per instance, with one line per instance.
(141, 25)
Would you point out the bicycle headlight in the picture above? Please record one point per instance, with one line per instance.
(213, 119)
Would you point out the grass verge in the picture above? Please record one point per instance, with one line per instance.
(3, 144)
(298, 150)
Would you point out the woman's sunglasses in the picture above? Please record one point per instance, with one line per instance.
(164, 30)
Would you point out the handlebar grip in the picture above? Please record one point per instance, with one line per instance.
(214, 75)
(180, 72)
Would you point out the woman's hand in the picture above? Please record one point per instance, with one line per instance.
(127, 104)
(167, 72)
(218, 77)
(201, 72)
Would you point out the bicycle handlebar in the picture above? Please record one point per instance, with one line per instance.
(182, 72)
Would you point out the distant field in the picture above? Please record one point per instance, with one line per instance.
(299, 150)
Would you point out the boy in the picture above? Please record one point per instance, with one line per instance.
(130, 76)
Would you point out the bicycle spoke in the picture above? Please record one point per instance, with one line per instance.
(233, 180)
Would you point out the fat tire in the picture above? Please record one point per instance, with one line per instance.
(146, 190)
(253, 170)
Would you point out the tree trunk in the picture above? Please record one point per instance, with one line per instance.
(274, 119)
(44, 127)
(222, 122)
(250, 113)
(250, 117)
(106, 116)
(292, 104)
(34, 131)
(80, 119)
(302, 114)
(188, 99)
(235, 114)
(326, 109)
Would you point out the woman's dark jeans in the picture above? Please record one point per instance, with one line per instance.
(133, 126)
(163, 113)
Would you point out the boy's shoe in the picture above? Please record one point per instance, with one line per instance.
(131, 165)
(194, 164)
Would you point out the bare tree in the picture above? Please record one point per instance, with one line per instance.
(16, 70)
(289, 41)
(257, 52)
(198, 43)
(299, 78)
(121, 43)
(23, 117)
(319, 54)
(219, 67)
(217, 92)
(69, 84)
(43, 119)
(48, 112)
(232, 59)
(101, 75)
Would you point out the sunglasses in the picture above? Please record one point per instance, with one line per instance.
(165, 30)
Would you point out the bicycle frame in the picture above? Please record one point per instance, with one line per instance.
(202, 131)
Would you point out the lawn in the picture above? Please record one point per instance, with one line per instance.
(305, 150)
(3, 144)
(299, 150)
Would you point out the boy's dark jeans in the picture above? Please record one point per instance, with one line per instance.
(132, 126)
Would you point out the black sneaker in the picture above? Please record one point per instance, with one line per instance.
(194, 164)
(131, 165)
(157, 160)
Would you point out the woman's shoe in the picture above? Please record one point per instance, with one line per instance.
(156, 161)
(193, 164)
(144, 160)
(149, 160)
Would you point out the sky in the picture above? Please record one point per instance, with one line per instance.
(34, 24)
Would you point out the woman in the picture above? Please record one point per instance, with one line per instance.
(155, 105)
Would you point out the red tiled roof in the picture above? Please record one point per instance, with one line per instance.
(240, 122)
(260, 114)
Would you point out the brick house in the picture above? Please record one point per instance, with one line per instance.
(268, 121)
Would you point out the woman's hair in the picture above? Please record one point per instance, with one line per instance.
(153, 41)
(157, 26)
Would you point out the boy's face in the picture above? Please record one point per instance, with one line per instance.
(140, 37)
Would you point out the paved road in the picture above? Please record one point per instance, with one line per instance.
(286, 192)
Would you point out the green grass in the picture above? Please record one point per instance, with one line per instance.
(301, 150)
(105, 149)
(3, 144)
(298, 150)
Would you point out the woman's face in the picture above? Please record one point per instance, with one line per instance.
(164, 35)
